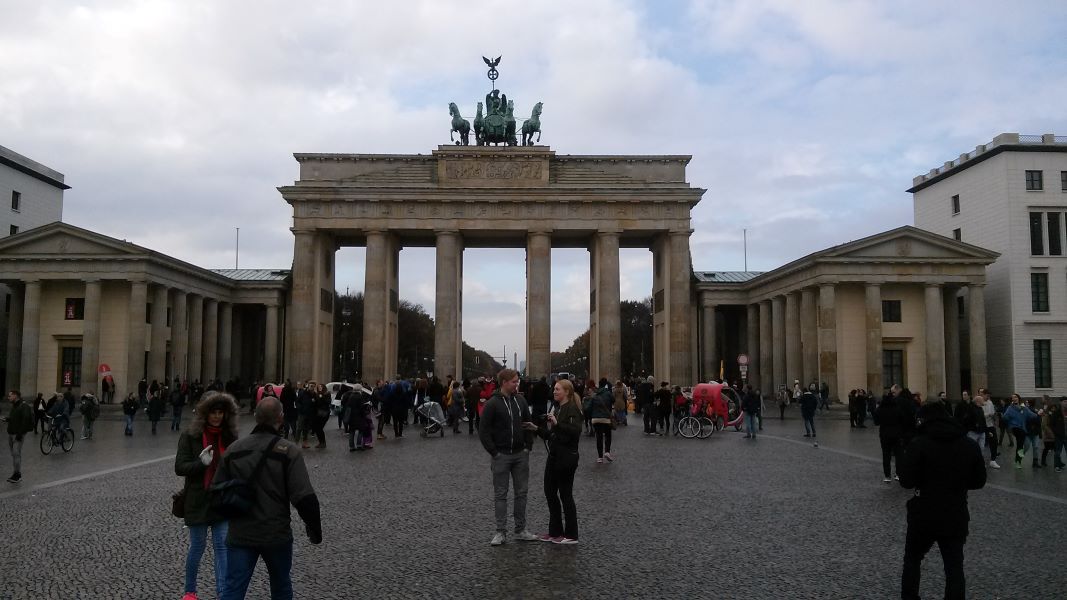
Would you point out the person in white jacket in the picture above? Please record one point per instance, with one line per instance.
(990, 412)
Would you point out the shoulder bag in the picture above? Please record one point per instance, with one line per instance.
(235, 497)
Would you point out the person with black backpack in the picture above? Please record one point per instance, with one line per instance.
(90, 410)
(600, 410)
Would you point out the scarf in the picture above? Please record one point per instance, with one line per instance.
(212, 436)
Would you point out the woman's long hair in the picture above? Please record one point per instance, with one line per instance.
(213, 401)
(568, 389)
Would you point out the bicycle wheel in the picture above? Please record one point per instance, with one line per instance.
(68, 439)
(688, 427)
(47, 443)
(707, 427)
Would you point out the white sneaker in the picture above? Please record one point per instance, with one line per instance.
(993, 464)
(526, 536)
(896, 477)
(498, 539)
(887, 480)
(608, 456)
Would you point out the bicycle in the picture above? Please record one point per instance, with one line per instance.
(54, 436)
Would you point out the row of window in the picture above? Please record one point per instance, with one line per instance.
(1035, 181)
(74, 310)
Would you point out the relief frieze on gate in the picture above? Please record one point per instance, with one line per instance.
(481, 210)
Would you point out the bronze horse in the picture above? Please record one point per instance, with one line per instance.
(460, 125)
(531, 125)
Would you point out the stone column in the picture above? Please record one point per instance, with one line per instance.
(375, 307)
(135, 370)
(538, 303)
(828, 337)
(935, 341)
(91, 337)
(31, 330)
(681, 306)
(270, 343)
(953, 383)
(766, 348)
(211, 340)
(225, 340)
(196, 337)
(793, 358)
(605, 358)
(752, 349)
(976, 313)
(873, 312)
(809, 335)
(157, 363)
(448, 358)
(305, 309)
(179, 336)
(14, 336)
(778, 342)
(708, 342)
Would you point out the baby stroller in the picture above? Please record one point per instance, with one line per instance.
(432, 412)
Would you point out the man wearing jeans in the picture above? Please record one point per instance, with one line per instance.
(265, 530)
(505, 431)
(18, 424)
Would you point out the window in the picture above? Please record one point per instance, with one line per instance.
(70, 366)
(957, 234)
(1039, 292)
(325, 300)
(956, 204)
(892, 368)
(1037, 241)
(14, 229)
(891, 311)
(74, 309)
(1042, 363)
(1055, 240)
(1034, 181)
(16, 200)
(1063, 181)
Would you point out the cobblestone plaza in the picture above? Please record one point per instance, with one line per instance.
(670, 518)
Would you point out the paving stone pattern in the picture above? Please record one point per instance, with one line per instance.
(670, 518)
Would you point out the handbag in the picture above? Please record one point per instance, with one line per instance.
(235, 497)
(177, 504)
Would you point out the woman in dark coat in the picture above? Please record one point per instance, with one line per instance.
(562, 431)
(155, 409)
(200, 449)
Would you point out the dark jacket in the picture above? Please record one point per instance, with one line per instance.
(129, 406)
(809, 401)
(501, 425)
(970, 416)
(564, 436)
(751, 403)
(283, 481)
(187, 464)
(288, 400)
(941, 464)
(602, 401)
(888, 418)
(20, 420)
(155, 407)
(1055, 422)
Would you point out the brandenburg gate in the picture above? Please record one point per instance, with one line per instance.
(490, 196)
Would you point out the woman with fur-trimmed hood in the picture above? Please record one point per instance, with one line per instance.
(200, 450)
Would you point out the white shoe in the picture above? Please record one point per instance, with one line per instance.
(993, 464)
(896, 477)
(608, 456)
(887, 480)
(526, 536)
(498, 539)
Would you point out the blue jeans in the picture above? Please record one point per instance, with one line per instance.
(197, 543)
(241, 562)
(129, 424)
(751, 423)
(809, 424)
(176, 419)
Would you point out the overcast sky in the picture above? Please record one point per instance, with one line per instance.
(174, 122)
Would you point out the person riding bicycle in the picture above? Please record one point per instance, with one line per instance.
(60, 413)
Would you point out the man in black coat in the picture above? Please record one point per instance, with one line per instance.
(941, 463)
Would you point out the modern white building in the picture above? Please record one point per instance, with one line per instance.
(35, 196)
(1010, 196)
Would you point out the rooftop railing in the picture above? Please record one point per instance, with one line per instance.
(1000, 140)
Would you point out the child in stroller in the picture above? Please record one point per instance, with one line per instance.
(435, 417)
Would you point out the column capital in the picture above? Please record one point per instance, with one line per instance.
(870, 285)
(932, 284)
(440, 232)
(91, 280)
(539, 232)
(607, 232)
(685, 232)
(976, 285)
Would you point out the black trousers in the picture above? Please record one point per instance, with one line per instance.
(559, 492)
(891, 449)
(382, 420)
(399, 416)
(650, 419)
(918, 543)
(603, 438)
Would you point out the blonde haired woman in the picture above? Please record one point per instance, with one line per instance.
(562, 432)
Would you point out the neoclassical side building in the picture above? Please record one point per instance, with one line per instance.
(83, 302)
(903, 306)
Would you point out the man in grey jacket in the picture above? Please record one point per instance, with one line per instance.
(265, 531)
(506, 433)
